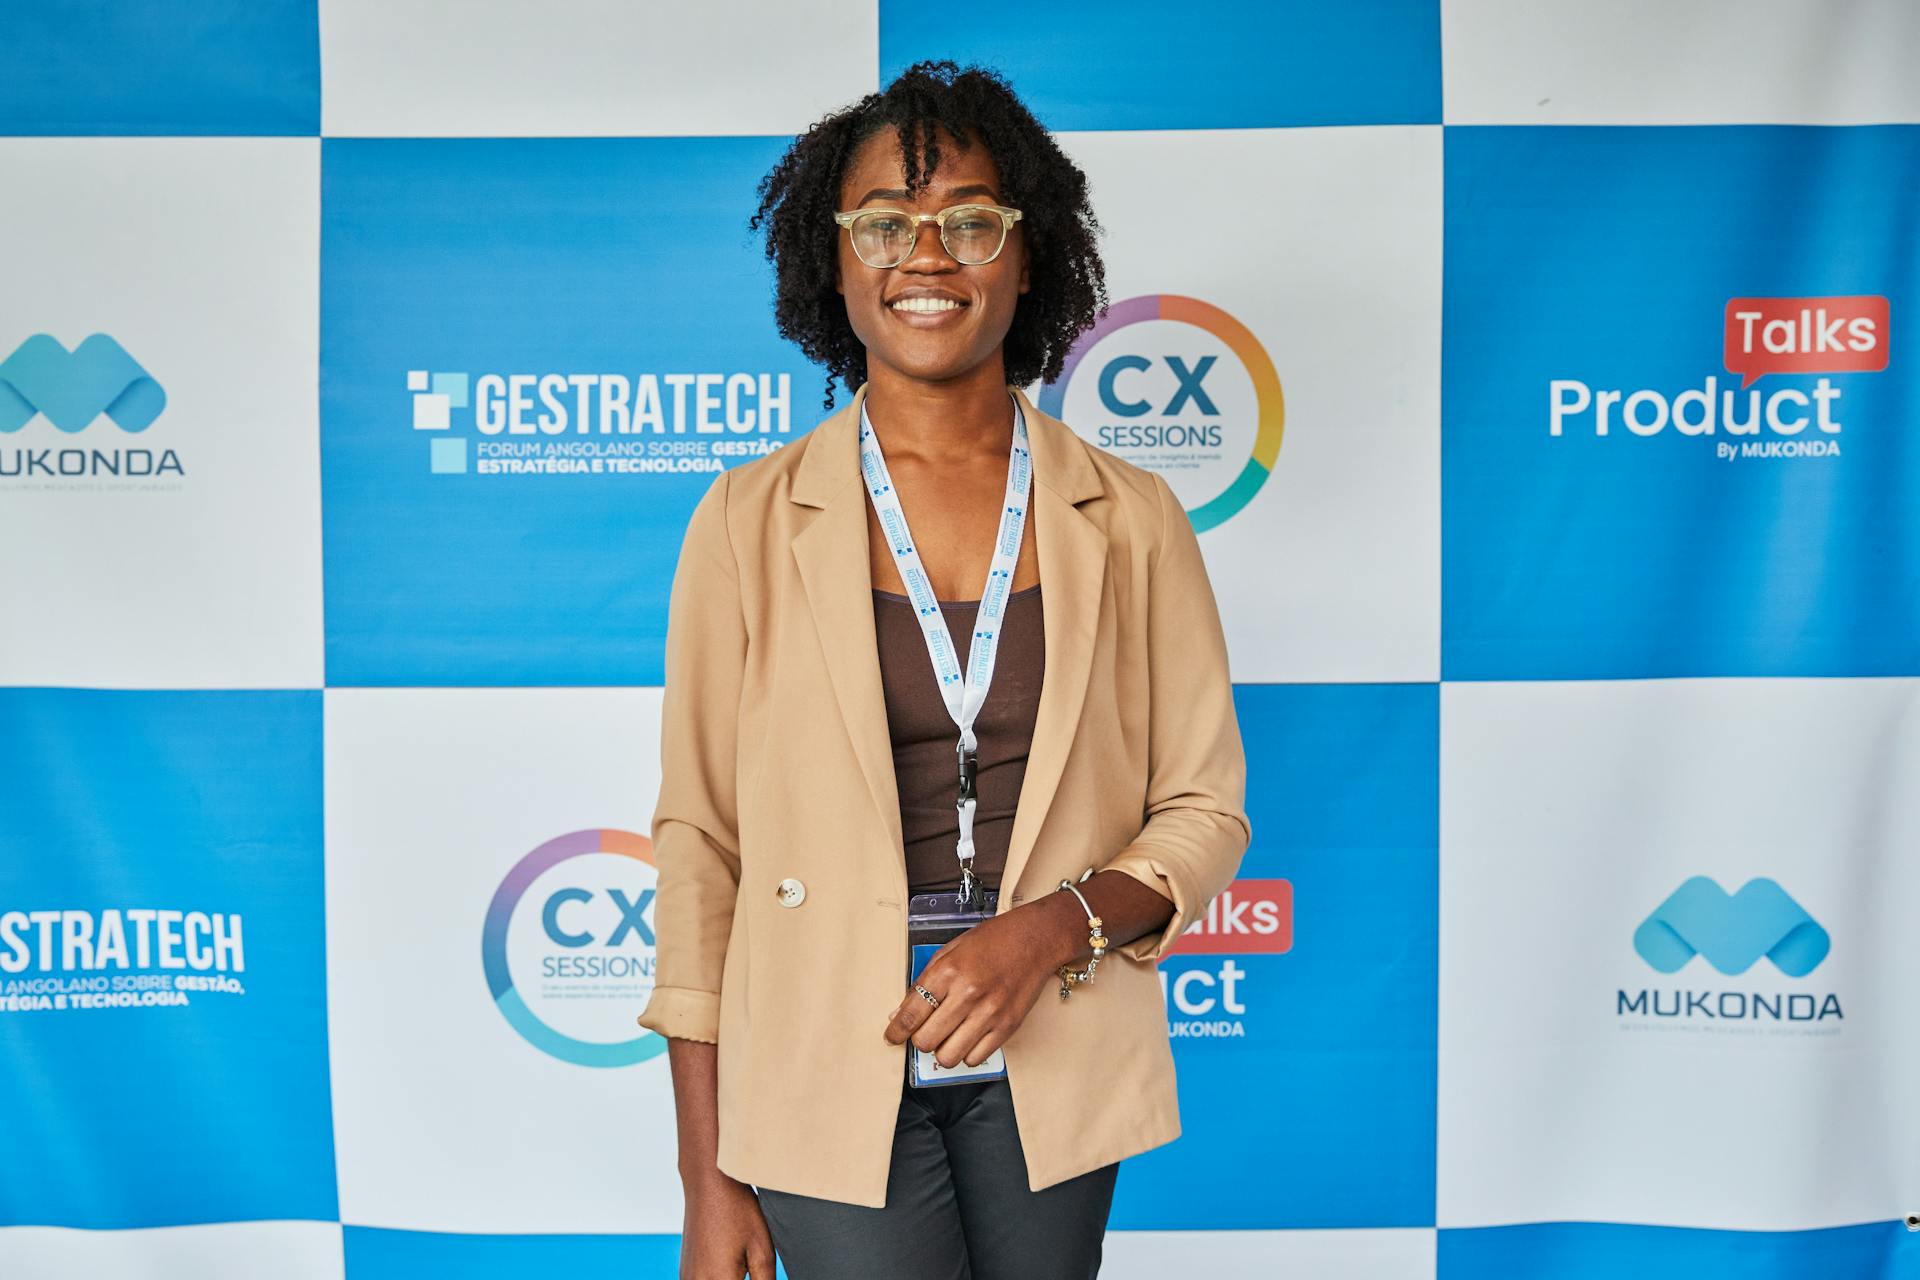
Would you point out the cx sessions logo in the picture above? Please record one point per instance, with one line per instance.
(568, 947)
(1180, 387)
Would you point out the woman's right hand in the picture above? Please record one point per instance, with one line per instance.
(725, 1236)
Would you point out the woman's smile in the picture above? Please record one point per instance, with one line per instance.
(927, 308)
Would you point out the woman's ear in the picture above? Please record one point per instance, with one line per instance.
(1025, 283)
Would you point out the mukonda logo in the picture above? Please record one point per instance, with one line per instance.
(74, 390)
(1731, 933)
(1759, 336)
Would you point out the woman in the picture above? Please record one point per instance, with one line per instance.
(933, 248)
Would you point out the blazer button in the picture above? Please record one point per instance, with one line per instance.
(791, 892)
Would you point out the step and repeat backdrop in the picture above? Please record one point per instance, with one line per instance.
(1539, 376)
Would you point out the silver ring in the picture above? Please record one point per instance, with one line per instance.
(927, 995)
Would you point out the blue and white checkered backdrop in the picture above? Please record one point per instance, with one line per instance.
(1537, 374)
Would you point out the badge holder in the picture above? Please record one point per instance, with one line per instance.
(933, 920)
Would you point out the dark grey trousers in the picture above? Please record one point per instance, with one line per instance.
(958, 1207)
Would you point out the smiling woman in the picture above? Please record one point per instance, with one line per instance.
(875, 864)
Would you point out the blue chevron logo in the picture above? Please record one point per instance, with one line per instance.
(1732, 930)
(72, 388)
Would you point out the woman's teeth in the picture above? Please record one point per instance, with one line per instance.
(926, 304)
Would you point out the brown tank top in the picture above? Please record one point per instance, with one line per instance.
(924, 735)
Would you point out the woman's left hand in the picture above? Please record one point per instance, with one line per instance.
(987, 980)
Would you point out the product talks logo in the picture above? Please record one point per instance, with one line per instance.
(1731, 930)
(1759, 337)
(72, 388)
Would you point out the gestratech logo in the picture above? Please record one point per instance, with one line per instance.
(1733, 931)
(597, 424)
(72, 388)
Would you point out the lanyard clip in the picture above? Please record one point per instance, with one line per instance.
(969, 771)
(970, 895)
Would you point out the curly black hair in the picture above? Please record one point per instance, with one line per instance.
(799, 195)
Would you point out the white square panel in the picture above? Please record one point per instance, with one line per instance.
(1327, 255)
(1767, 1094)
(1400, 1254)
(218, 1251)
(161, 298)
(1702, 62)
(587, 68)
(447, 1115)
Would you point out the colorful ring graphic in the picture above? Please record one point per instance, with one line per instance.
(1238, 339)
(493, 949)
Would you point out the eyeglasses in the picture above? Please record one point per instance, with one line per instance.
(973, 233)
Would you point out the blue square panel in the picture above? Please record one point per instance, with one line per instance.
(1211, 64)
(163, 1035)
(376, 1253)
(1304, 1010)
(1678, 403)
(585, 327)
(143, 68)
(1608, 1250)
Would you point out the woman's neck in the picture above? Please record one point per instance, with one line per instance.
(946, 423)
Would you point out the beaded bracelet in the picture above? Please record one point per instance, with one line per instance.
(1069, 978)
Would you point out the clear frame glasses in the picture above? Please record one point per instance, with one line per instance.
(973, 234)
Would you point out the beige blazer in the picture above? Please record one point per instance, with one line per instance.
(780, 917)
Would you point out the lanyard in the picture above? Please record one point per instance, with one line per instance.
(963, 694)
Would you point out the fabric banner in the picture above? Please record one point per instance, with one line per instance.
(1537, 376)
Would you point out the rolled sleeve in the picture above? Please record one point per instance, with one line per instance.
(1196, 828)
(695, 833)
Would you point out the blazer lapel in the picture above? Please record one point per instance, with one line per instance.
(1073, 574)
(831, 552)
